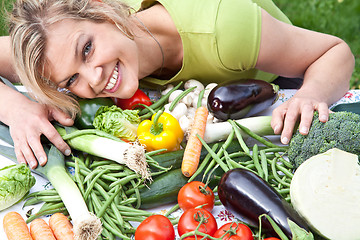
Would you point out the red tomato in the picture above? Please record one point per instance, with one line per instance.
(155, 227)
(138, 98)
(194, 194)
(242, 232)
(190, 220)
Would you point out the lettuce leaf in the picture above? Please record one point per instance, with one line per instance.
(15, 182)
(118, 122)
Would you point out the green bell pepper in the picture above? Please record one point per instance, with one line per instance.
(88, 108)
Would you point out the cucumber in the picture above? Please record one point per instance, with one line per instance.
(174, 159)
(164, 189)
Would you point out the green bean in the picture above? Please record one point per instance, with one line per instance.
(54, 208)
(155, 164)
(237, 165)
(108, 202)
(264, 164)
(161, 101)
(137, 194)
(179, 97)
(115, 175)
(155, 152)
(111, 167)
(113, 228)
(239, 137)
(227, 160)
(255, 157)
(96, 132)
(201, 95)
(203, 163)
(38, 199)
(255, 136)
(124, 180)
(95, 164)
(239, 155)
(213, 154)
(250, 166)
(171, 210)
(275, 149)
(220, 152)
(95, 173)
(93, 182)
(286, 163)
(78, 178)
(46, 192)
(107, 234)
(282, 169)
(273, 167)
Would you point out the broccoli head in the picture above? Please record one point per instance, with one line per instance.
(341, 131)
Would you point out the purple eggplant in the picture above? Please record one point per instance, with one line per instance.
(241, 98)
(248, 196)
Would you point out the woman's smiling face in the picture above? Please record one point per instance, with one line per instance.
(92, 59)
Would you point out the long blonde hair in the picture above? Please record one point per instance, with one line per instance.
(28, 25)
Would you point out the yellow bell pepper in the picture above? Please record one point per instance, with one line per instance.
(162, 131)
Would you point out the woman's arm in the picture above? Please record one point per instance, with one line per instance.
(27, 119)
(324, 61)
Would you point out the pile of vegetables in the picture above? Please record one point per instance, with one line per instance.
(217, 158)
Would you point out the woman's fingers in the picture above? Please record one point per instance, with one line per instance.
(53, 136)
(285, 118)
(26, 134)
(61, 117)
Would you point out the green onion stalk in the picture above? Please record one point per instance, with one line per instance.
(107, 146)
(86, 225)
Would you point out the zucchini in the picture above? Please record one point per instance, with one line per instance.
(164, 189)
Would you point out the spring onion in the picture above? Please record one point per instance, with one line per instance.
(104, 145)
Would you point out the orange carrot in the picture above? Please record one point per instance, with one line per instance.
(61, 227)
(15, 227)
(193, 147)
(40, 230)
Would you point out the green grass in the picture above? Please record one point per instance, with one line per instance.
(337, 17)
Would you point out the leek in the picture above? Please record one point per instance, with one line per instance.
(104, 145)
(219, 131)
(86, 226)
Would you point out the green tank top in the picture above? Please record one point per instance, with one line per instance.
(221, 38)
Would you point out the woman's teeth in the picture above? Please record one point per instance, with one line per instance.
(113, 79)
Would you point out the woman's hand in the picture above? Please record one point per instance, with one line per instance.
(301, 108)
(27, 121)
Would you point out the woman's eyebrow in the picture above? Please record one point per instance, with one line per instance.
(76, 54)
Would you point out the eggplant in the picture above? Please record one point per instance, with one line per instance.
(241, 98)
(248, 196)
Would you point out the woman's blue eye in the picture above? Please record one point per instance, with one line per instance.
(87, 48)
(72, 80)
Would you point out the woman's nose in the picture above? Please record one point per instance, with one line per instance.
(94, 76)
